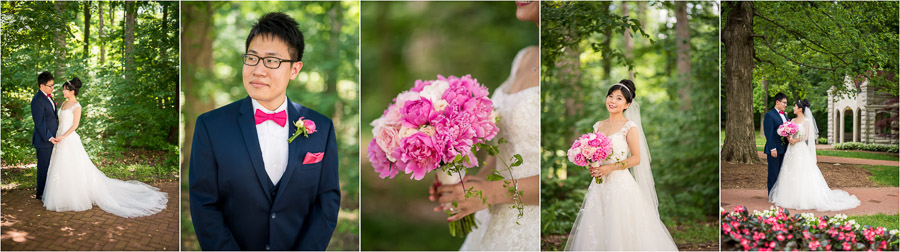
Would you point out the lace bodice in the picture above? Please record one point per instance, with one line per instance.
(803, 132)
(619, 144)
(520, 117)
(66, 118)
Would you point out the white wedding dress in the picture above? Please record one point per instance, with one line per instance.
(618, 214)
(800, 184)
(75, 184)
(520, 116)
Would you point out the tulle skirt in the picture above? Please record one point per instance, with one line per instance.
(801, 186)
(616, 215)
(75, 184)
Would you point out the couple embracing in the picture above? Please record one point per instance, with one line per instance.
(67, 179)
(794, 180)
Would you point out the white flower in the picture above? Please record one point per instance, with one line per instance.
(406, 131)
(434, 91)
(440, 104)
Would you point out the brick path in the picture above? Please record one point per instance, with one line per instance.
(843, 160)
(27, 225)
(872, 200)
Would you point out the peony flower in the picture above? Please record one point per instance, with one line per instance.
(580, 160)
(417, 155)
(427, 129)
(387, 136)
(416, 113)
(435, 91)
(404, 97)
(379, 160)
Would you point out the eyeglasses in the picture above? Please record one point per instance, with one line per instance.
(270, 62)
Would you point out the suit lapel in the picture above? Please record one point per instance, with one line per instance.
(251, 139)
(293, 148)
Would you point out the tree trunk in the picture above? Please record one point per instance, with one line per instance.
(629, 43)
(737, 38)
(765, 100)
(102, 42)
(642, 17)
(336, 16)
(60, 39)
(607, 61)
(87, 30)
(130, 13)
(683, 52)
(165, 28)
(197, 58)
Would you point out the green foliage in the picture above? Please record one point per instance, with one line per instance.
(684, 153)
(406, 41)
(878, 220)
(822, 140)
(866, 147)
(119, 114)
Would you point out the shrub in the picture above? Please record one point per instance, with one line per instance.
(866, 147)
(823, 140)
(775, 229)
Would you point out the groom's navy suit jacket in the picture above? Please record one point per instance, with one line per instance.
(773, 141)
(235, 206)
(45, 121)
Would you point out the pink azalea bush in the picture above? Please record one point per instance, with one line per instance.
(788, 128)
(775, 229)
(589, 148)
(432, 124)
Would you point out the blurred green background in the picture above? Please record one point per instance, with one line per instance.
(125, 54)
(584, 52)
(213, 37)
(406, 41)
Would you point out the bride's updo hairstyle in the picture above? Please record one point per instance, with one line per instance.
(626, 87)
(802, 104)
(73, 85)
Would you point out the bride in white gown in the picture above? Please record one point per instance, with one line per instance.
(800, 184)
(75, 184)
(518, 103)
(621, 213)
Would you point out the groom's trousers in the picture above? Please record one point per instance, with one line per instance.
(774, 170)
(43, 163)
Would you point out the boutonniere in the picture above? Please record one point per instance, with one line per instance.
(304, 127)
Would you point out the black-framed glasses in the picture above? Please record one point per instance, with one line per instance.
(270, 62)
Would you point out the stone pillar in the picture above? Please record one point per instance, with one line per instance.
(855, 125)
(841, 126)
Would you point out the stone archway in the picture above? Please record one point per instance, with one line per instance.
(836, 126)
(847, 125)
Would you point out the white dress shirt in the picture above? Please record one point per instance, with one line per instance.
(48, 98)
(273, 142)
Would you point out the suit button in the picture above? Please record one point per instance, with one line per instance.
(273, 215)
(267, 247)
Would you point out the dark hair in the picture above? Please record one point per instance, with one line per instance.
(44, 77)
(627, 90)
(780, 96)
(281, 26)
(73, 85)
(802, 104)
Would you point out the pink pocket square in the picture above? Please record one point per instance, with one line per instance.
(312, 158)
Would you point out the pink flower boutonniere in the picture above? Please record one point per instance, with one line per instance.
(304, 127)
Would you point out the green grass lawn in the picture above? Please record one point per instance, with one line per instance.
(884, 175)
(878, 220)
(859, 154)
(760, 140)
(693, 232)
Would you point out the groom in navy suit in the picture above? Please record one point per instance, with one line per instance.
(775, 144)
(43, 112)
(250, 189)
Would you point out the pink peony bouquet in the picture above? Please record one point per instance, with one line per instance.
(590, 148)
(437, 123)
(433, 123)
(787, 129)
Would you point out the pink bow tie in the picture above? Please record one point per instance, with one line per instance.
(279, 117)
(781, 112)
(50, 96)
